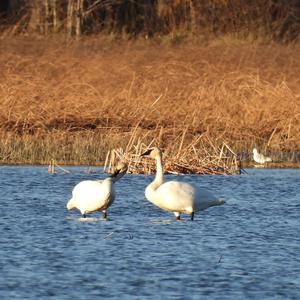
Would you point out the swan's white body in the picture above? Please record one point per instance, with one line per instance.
(175, 196)
(260, 158)
(95, 195)
(89, 196)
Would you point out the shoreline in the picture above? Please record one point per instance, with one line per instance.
(101, 165)
(74, 102)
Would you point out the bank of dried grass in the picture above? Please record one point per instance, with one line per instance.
(74, 101)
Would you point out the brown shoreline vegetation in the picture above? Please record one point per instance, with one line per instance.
(75, 102)
(79, 78)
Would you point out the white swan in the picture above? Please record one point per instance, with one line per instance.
(260, 158)
(175, 196)
(96, 195)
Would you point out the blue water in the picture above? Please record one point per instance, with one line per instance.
(248, 248)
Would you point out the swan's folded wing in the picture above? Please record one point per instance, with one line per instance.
(92, 195)
(177, 195)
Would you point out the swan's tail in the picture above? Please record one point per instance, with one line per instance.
(268, 159)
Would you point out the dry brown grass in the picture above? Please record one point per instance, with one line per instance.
(201, 156)
(75, 101)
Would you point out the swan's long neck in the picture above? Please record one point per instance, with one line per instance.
(150, 192)
(159, 176)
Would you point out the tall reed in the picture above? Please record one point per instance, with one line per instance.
(56, 98)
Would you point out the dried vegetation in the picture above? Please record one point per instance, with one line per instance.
(74, 101)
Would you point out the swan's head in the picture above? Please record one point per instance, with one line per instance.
(152, 152)
(119, 170)
(254, 151)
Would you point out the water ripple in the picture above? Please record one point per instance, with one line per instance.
(247, 248)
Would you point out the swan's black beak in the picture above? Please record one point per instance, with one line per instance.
(147, 152)
(121, 168)
(115, 173)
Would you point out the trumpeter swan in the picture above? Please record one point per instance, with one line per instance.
(96, 195)
(175, 196)
(260, 158)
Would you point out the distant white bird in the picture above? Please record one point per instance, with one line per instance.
(96, 195)
(175, 196)
(260, 158)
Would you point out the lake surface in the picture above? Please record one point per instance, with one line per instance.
(248, 248)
